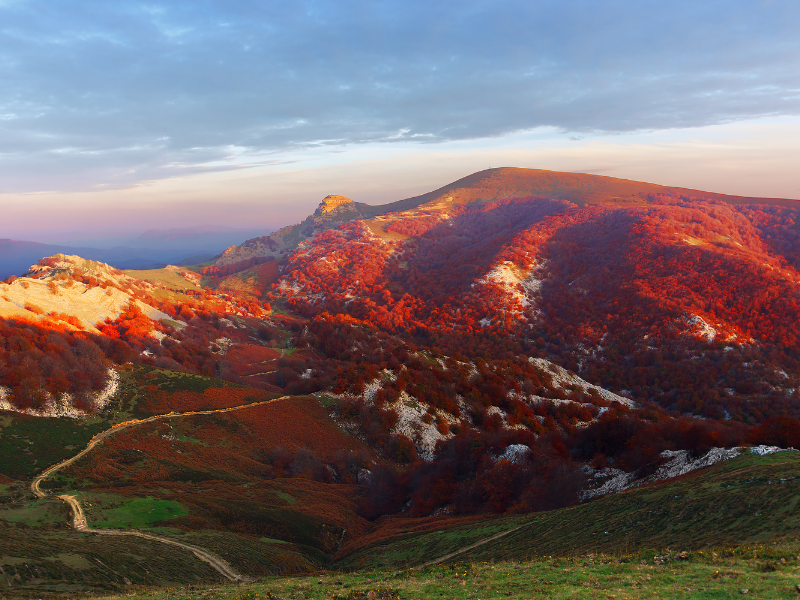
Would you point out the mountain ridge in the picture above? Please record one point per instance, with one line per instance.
(510, 182)
(481, 187)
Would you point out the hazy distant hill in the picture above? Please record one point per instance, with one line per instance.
(17, 255)
(196, 239)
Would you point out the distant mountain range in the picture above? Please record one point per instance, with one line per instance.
(154, 248)
(206, 239)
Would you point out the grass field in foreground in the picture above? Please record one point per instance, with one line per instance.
(768, 571)
(745, 500)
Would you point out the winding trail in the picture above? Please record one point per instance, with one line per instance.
(441, 559)
(79, 521)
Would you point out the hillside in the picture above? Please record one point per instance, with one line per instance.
(743, 501)
(331, 212)
(677, 287)
(581, 188)
(482, 187)
(729, 525)
(70, 322)
(338, 392)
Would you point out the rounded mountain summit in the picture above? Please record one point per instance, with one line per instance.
(484, 186)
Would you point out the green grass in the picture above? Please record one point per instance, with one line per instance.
(35, 561)
(701, 576)
(749, 499)
(31, 444)
(165, 277)
(191, 440)
(45, 512)
(107, 511)
(177, 381)
(284, 496)
(171, 323)
(325, 400)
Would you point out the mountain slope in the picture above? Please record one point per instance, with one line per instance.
(580, 188)
(737, 502)
(690, 303)
(481, 187)
(488, 354)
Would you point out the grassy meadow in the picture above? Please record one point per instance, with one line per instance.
(764, 571)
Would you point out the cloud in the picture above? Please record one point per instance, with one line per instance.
(115, 93)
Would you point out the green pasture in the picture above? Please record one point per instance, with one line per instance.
(41, 512)
(29, 445)
(165, 277)
(108, 511)
(749, 499)
(771, 572)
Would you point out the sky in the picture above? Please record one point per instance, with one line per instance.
(117, 117)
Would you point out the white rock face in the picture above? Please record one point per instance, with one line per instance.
(702, 329)
(505, 276)
(63, 406)
(29, 298)
(677, 463)
(765, 450)
(617, 481)
(334, 204)
(563, 379)
(410, 423)
(514, 453)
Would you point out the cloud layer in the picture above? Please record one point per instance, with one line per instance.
(98, 93)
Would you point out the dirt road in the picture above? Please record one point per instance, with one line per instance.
(79, 521)
(441, 559)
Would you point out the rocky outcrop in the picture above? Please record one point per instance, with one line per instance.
(87, 291)
(69, 263)
(331, 212)
(335, 205)
(257, 247)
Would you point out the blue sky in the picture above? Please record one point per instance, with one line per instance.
(258, 107)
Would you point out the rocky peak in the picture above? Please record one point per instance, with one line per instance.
(333, 203)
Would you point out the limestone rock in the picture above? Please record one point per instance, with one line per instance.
(333, 204)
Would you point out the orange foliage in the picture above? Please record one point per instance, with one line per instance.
(186, 401)
(129, 325)
(248, 359)
(296, 423)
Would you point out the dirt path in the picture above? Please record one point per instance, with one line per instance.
(79, 521)
(441, 559)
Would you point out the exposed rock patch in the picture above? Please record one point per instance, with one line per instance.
(63, 406)
(331, 212)
(43, 291)
(333, 203)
